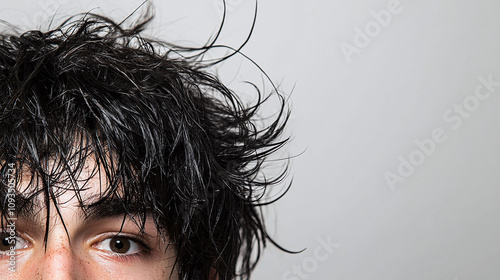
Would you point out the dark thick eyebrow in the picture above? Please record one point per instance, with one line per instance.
(95, 208)
(110, 207)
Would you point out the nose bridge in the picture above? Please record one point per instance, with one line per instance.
(58, 260)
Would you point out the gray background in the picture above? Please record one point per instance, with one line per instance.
(356, 118)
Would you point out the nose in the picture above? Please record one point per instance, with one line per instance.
(58, 261)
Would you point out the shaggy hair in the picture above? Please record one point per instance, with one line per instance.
(171, 141)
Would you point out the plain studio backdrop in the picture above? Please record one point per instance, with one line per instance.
(395, 116)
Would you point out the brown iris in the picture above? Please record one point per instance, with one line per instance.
(119, 245)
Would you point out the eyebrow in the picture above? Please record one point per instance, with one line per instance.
(98, 208)
(110, 207)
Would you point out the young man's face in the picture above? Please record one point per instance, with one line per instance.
(91, 248)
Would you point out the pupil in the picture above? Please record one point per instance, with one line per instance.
(120, 245)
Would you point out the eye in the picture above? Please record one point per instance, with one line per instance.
(8, 240)
(121, 245)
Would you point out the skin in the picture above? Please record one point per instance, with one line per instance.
(87, 251)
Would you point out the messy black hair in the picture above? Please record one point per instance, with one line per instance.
(171, 140)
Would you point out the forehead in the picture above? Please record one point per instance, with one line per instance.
(66, 184)
(84, 196)
(84, 175)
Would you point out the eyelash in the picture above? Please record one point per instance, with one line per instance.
(129, 257)
(145, 249)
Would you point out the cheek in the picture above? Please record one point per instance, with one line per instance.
(38, 268)
(88, 269)
(143, 271)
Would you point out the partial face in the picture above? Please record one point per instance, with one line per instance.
(90, 247)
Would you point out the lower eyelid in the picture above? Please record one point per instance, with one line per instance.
(129, 257)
